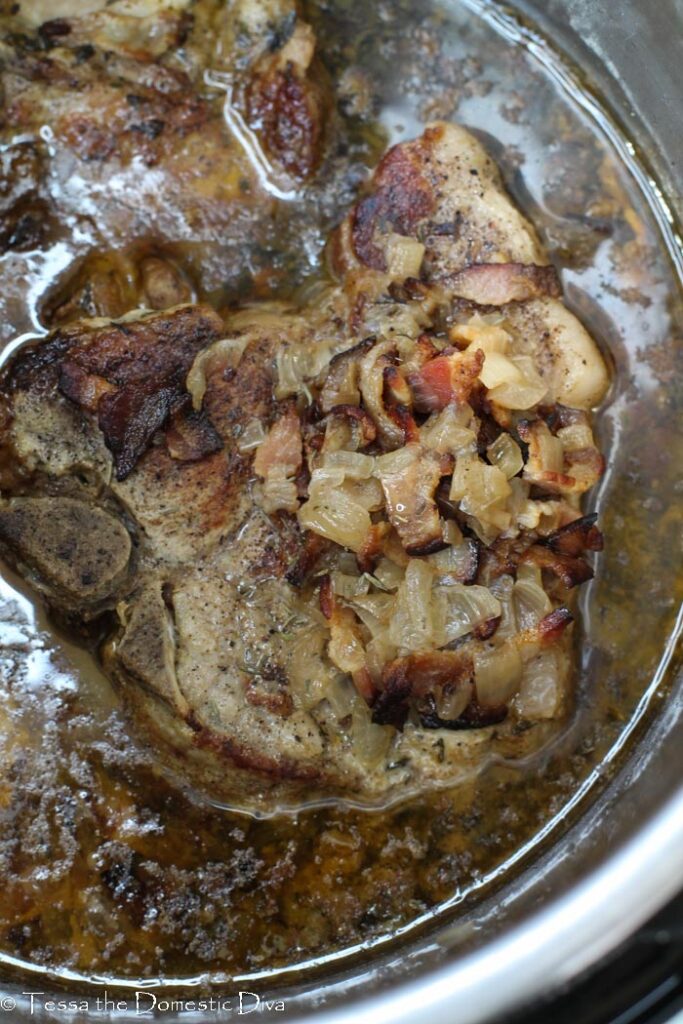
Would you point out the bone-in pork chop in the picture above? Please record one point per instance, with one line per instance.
(332, 548)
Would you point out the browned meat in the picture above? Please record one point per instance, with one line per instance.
(276, 516)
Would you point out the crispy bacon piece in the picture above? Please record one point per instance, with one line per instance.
(547, 632)
(405, 421)
(191, 435)
(327, 599)
(131, 374)
(570, 570)
(435, 674)
(500, 558)
(360, 423)
(581, 467)
(283, 447)
(410, 501)
(576, 537)
(373, 546)
(496, 284)
(314, 547)
(450, 377)
(341, 385)
(585, 466)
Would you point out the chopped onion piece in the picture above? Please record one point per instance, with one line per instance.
(277, 493)
(379, 651)
(367, 493)
(522, 390)
(412, 625)
(345, 585)
(481, 491)
(227, 351)
(530, 602)
(397, 461)
(310, 672)
(465, 607)
(370, 742)
(505, 453)
(488, 337)
(251, 437)
(499, 369)
(453, 563)
(345, 648)
(497, 674)
(298, 363)
(353, 464)
(388, 574)
(374, 611)
(540, 692)
(342, 696)
(576, 436)
(404, 256)
(448, 430)
(333, 514)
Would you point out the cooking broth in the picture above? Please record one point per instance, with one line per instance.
(108, 868)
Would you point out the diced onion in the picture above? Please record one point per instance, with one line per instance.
(522, 389)
(388, 574)
(576, 436)
(451, 704)
(404, 256)
(412, 625)
(298, 363)
(481, 491)
(397, 461)
(465, 607)
(345, 585)
(345, 648)
(498, 369)
(337, 517)
(353, 464)
(251, 437)
(379, 651)
(228, 351)
(497, 674)
(540, 692)
(310, 672)
(480, 334)
(370, 742)
(454, 563)
(374, 611)
(277, 492)
(448, 430)
(530, 602)
(505, 453)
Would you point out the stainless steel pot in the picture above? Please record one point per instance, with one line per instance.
(619, 856)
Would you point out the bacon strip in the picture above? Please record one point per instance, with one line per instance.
(496, 284)
(282, 447)
(447, 378)
(417, 676)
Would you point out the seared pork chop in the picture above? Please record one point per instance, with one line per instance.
(333, 547)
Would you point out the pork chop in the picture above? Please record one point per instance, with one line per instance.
(333, 547)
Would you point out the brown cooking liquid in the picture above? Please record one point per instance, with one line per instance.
(106, 867)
